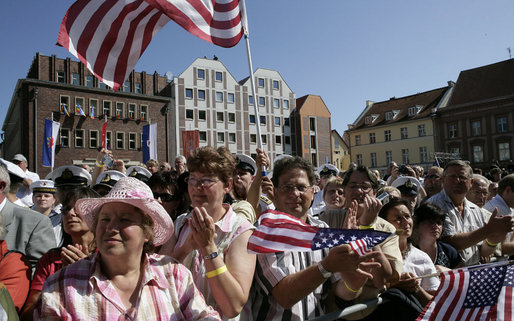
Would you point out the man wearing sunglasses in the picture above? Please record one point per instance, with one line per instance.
(433, 181)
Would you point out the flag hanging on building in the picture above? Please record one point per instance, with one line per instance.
(190, 141)
(92, 112)
(109, 36)
(149, 142)
(79, 111)
(49, 142)
(64, 110)
(472, 293)
(104, 136)
(277, 232)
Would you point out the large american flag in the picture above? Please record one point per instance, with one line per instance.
(481, 292)
(277, 232)
(109, 36)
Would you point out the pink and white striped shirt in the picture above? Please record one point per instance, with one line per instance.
(81, 292)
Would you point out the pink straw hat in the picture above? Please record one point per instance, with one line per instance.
(134, 192)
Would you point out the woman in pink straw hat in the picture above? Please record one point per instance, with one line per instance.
(123, 280)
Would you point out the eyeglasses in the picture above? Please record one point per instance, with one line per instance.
(203, 182)
(293, 188)
(165, 197)
(365, 188)
(433, 176)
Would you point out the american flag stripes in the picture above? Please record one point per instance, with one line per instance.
(278, 232)
(481, 292)
(109, 36)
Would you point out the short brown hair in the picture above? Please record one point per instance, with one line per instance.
(504, 182)
(208, 160)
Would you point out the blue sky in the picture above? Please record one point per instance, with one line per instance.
(345, 51)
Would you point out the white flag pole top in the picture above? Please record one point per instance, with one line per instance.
(252, 82)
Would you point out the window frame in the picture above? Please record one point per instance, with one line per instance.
(64, 137)
(202, 72)
(132, 139)
(186, 90)
(199, 92)
(95, 137)
(77, 137)
(109, 103)
(216, 73)
(143, 112)
(118, 140)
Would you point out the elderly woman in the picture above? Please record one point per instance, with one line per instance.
(415, 262)
(211, 240)
(333, 196)
(123, 280)
(76, 245)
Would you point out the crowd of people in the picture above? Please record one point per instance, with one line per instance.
(169, 241)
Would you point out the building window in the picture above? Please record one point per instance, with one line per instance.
(253, 138)
(75, 79)
(314, 159)
(452, 130)
(221, 137)
(423, 155)
(389, 156)
(387, 136)
(200, 73)
(313, 142)
(201, 94)
(404, 134)
(79, 138)
(102, 85)
(285, 103)
(120, 140)
(137, 88)
(126, 86)
(275, 84)
(252, 119)
(262, 101)
(79, 106)
(93, 139)
(501, 124)
(132, 111)
(312, 124)
(359, 159)
(202, 115)
(61, 77)
(108, 139)
(89, 81)
(93, 107)
(189, 114)
(262, 120)
(277, 121)
(250, 100)
(231, 137)
(373, 157)
(478, 154)
(405, 156)
(260, 82)
(230, 98)
(219, 116)
(276, 103)
(503, 151)
(287, 140)
(231, 117)
(454, 150)
(476, 129)
(264, 139)
(278, 139)
(64, 104)
(219, 96)
(357, 140)
(119, 110)
(144, 112)
(421, 130)
(65, 137)
(389, 115)
(286, 121)
(203, 136)
(219, 76)
(132, 141)
(107, 108)
(189, 93)
(372, 139)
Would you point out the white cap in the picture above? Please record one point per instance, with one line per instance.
(326, 169)
(69, 175)
(139, 172)
(42, 186)
(109, 178)
(13, 168)
(246, 162)
(19, 158)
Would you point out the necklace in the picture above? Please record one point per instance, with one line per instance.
(406, 251)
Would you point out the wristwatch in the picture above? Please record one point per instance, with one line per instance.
(211, 256)
(326, 274)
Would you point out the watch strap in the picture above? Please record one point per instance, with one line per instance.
(210, 256)
(326, 274)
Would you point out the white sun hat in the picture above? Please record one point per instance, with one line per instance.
(134, 192)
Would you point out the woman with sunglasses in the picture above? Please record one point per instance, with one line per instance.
(165, 191)
(76, 245)
(211, 240)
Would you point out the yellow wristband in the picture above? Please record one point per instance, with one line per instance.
(99, 165)
(350, 289)
(218, 271)
(366, 227)
(490, 243)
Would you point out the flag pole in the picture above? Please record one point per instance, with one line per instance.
(252, 81)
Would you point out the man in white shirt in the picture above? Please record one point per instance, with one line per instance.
(24, 193)
(504, 200)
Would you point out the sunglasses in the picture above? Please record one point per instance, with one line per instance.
(165, 197)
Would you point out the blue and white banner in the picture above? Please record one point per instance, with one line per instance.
(49, 142)
(149, 142)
